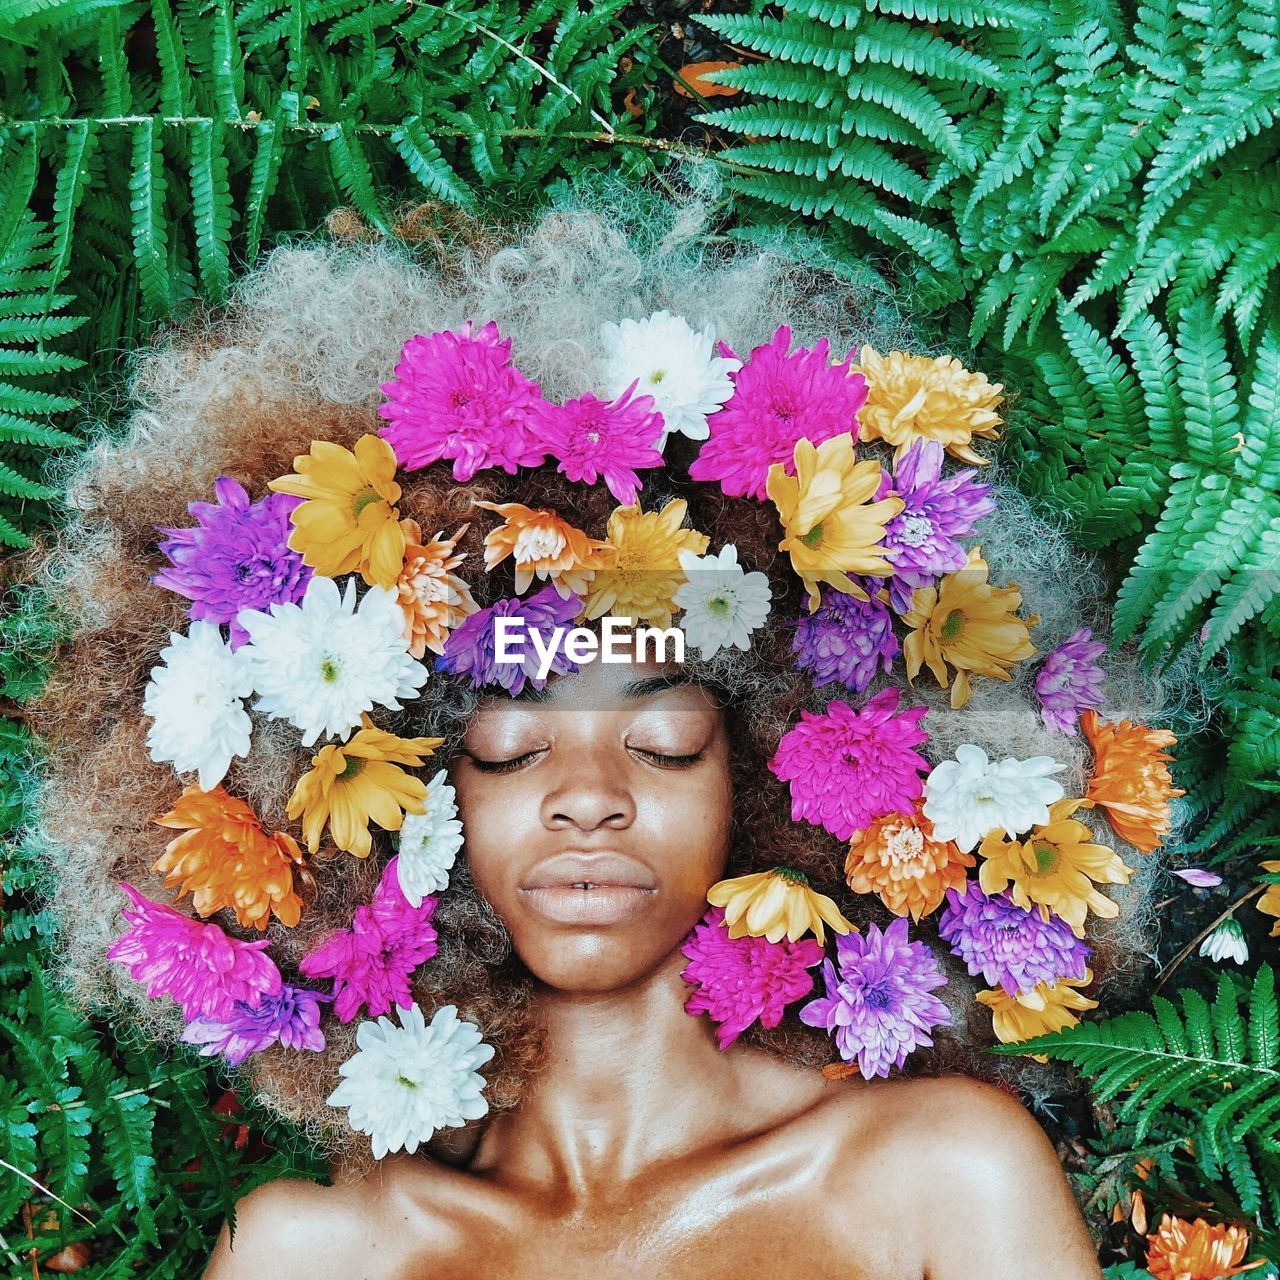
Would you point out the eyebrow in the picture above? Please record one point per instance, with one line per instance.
(632, 691)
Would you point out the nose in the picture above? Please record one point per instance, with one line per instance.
(590, 792)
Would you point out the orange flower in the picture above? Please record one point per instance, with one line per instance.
(225, 859)
(1269, 903)
(1131, 778)
(1182, 1250)
(897, 858)
(432, 599)
(544, 544)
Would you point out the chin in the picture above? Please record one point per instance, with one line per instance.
(595, 963)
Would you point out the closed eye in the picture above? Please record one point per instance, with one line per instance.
(502, 766)
(670, 762)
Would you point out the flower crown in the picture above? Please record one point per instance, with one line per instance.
(278, 614)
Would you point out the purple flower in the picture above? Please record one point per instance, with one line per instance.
(938, 512)
(291, 1018)
(193, 961)
(236, 558)
(371, 963)
(880, 1008)
(846, 639)
(1069, 681)
(472, 646)
(1007, 945)
(738, 980)
(1198, 878)
(592, 438)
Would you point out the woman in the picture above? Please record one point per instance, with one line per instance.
(644, 1150)
(616, 1134)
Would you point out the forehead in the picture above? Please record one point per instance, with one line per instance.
(611, 686)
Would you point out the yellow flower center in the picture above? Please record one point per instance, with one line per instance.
(952, 625)
(365, 498)
(352, 766)
(813, 537)
(657, 376)
(1047, 858)
(719, 606)
(329, 670)
(904, 844)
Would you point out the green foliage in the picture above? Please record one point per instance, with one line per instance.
(1208, 1072)
(169, 142)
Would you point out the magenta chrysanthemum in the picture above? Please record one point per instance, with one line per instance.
(1008, 945)
(471, 648)
(236, 558)
(847, 767)
(371, 963)
(457, 395)
(777, 399)
(193, 961)
(291, 1019)
(846, 639)
(591, 438)
(924, 533)
(879, 1008)
(1070, 681)
(738, 980)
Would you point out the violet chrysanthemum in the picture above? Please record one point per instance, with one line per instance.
(471, 648)
(372, 962)
(291, 1018)
(937, 512)
(778, 397)
(847, 767)
(1070, 680)
(879, 1008)
(237, 557)
(592, 438)
(740, 980)
(457, 395)
(1007, 945)
(846, 639)
(193, 961)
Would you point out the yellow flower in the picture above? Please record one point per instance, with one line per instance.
(1036, 1013)
(914, 397)
(1131, 778)
(897, 858)
(1054, 868)
(224, 859)
(646, 555)
(968, 623)
(1269, 903)
(831, 525)
(770, 904)
(432, 598)
(348, 786)
(544, 544)
(1182, 1250)
(349, 522)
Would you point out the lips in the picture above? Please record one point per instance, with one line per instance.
(589, 888)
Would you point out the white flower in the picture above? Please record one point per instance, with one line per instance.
(722, 604)
(323, 663)
(971, 795)
(675, 364)
(195, 701)
(408, 1081)
(1226, 942)
(429, 843)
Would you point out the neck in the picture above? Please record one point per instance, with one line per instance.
(615, 1096)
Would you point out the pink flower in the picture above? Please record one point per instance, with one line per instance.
(778, 399)
(193, 961)
(371, 963)
(457, 395)
(738, 980)
(591, 438)
(847, 767)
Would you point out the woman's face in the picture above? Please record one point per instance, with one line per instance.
(596, 817)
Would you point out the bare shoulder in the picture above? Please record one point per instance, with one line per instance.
(962, 1158)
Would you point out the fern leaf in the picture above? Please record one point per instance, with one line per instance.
(150, 236)
(1208, 388)
(211, 204)
(428, 165)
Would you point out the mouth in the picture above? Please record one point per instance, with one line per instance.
(589, 888)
